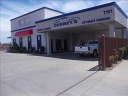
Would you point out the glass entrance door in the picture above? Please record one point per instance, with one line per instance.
(21, 42)
(14, 41)
(52, 45)
(38, 41)
(58, 45)
(65, 45)
(29, 42)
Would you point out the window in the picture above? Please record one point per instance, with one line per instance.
(21, 42)
(29, 42)
(93, 42)
(38, 41)
(14, 41)
(27, 21)
(24, 21)
(21, 22)
(58, 44)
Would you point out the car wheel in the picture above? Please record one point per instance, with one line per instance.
(81, 55)
(95, 54)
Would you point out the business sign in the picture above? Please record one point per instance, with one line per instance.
(65, 21)
(79, 19)
(96, 20)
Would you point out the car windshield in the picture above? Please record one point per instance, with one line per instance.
(80, 44)
(93, 42)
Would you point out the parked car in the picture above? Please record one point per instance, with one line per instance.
(90, 48)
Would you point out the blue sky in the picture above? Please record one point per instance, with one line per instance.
(12, 8)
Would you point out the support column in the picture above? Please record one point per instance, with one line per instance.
(124, 33)
(111, 29)
(48, 43)
(71, 42)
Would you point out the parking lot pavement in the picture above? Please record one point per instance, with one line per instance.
(103, 83)
(29, 75)
(114, 84)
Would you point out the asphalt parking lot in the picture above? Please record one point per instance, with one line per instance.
(59, 75)
(30, 75)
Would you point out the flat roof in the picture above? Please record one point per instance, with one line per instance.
(88, 9)
(38, 10)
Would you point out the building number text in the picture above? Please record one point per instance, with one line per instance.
(107, 11)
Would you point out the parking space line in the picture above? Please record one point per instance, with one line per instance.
(75, 84)
(15, 88)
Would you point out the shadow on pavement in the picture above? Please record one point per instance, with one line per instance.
(95, 68)
(69, 56)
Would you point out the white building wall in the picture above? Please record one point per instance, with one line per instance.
(49, 13)
(96, 34)
(13, 36)
(25, 38)
(127, 29)
(34, 38)
(76, 37)
(59, 35)
(25, 44)
(33, 17)
(84, 36)
(82, 19)
(93, 35)
(118, 33)
(120, 18)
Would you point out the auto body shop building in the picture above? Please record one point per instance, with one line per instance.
(59, 32)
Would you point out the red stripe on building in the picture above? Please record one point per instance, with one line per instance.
(24, 33)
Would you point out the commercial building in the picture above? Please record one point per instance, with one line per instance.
(59, 32)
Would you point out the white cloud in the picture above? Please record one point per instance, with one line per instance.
(33, 2)
(7, 12)
(10, 10)
(4, 29)
(76, 5)
(124, 5)
(14, 7)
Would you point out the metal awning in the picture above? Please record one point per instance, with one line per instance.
(24, 33)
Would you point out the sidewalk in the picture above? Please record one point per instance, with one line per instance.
(114, 83)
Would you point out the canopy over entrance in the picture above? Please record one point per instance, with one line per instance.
(24, 33)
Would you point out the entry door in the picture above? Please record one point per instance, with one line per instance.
(29, 42)
(65, 45)
(58, 44)
(52, 45)
(21, 42)
(14, 41)
(38, 41)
